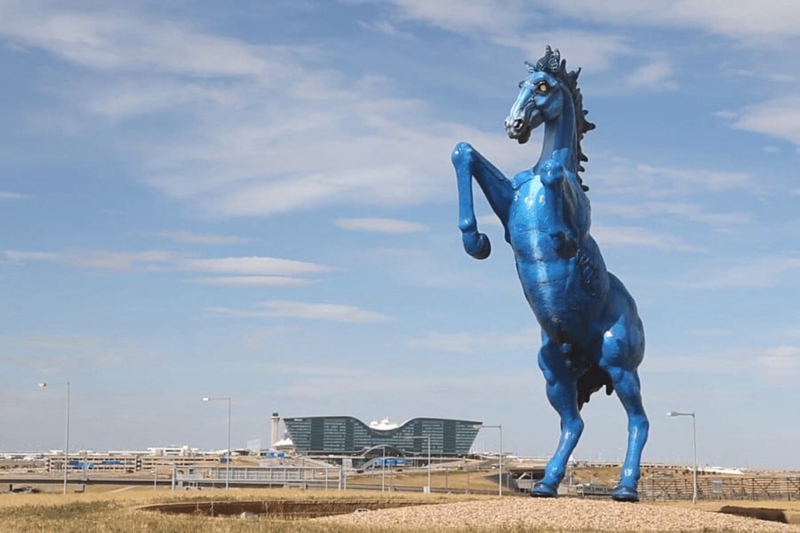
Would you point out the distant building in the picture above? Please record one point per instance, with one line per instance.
(345, 435)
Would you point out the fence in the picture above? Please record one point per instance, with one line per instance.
(721, 488)
(325, 477)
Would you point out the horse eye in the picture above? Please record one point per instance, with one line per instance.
(542, 88)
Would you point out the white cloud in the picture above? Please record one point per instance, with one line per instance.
(468, 16)
(386, 27)
(709, 180)
(778, 118)
(6, 195)
(654, 75)
(130, 97)
(327, 381)
(579, 48)
(508, 23)
(738, 20)
(640, 191)
(682, 210)
(665, 186)
(130, 42)
(719, 332)
(258, 163)
(322, 311)
(474, 343)
(303, 310)
(253, 281)
(245, 153)
(258, 266)
(50, 342)
(380, 225)
(782, 361)
(489, 220)
(637, 237)
(238, 148)
(725, 114)
(100, 259)
(758, 272)
(163, 260)
(55, 354)
(188, 237)
(19, 256)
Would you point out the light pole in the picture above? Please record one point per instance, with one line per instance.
(383, 469)
(500, 462)
(228, 453)
(694, 451)
(66, 439)
(428, 437)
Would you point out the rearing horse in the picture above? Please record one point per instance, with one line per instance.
(592, 336)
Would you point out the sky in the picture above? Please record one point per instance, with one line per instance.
(255, 201)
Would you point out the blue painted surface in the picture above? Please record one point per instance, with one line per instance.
(592, 336)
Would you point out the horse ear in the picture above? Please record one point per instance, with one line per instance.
(554, 61)
(531, 67)
(544, 62)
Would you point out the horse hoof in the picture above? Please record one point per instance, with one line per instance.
(477, 245)
(625, 494)
(541, 490)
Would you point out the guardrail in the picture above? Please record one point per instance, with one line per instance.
(328, 477)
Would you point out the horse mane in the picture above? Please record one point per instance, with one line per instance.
(552, 63)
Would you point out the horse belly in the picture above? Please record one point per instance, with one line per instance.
(555, 295)
(566, 294)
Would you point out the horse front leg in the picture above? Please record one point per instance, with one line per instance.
(563, 396)
(561, 207)
(469, 163)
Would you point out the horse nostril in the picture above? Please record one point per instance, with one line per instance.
(517, 124)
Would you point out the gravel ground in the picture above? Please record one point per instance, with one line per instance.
(567, 514)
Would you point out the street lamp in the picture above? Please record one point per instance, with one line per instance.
(228, 454)
(414, 437)
(694, 451)
(500, 465)
(66, 443)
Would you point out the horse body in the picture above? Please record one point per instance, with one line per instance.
(591, 332)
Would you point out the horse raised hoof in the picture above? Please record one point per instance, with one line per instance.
(625, 494)
(543, 490)
(477, 245)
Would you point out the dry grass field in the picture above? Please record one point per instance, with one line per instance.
(122, 509)
(119, 510)
(111, 510)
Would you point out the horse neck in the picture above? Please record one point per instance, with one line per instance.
(568, 204)
(560, 141)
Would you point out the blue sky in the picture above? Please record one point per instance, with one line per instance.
(255, 200)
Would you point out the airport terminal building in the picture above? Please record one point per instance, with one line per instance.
(348, 436)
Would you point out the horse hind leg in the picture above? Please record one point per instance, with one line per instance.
(562, 395)
(628, 388)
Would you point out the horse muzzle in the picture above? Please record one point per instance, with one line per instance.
(519, 129)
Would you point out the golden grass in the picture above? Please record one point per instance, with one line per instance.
(114, 511)
(118, 512)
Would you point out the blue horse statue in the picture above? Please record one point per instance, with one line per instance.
(592, 336)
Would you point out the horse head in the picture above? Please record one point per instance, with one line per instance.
(541, 96)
